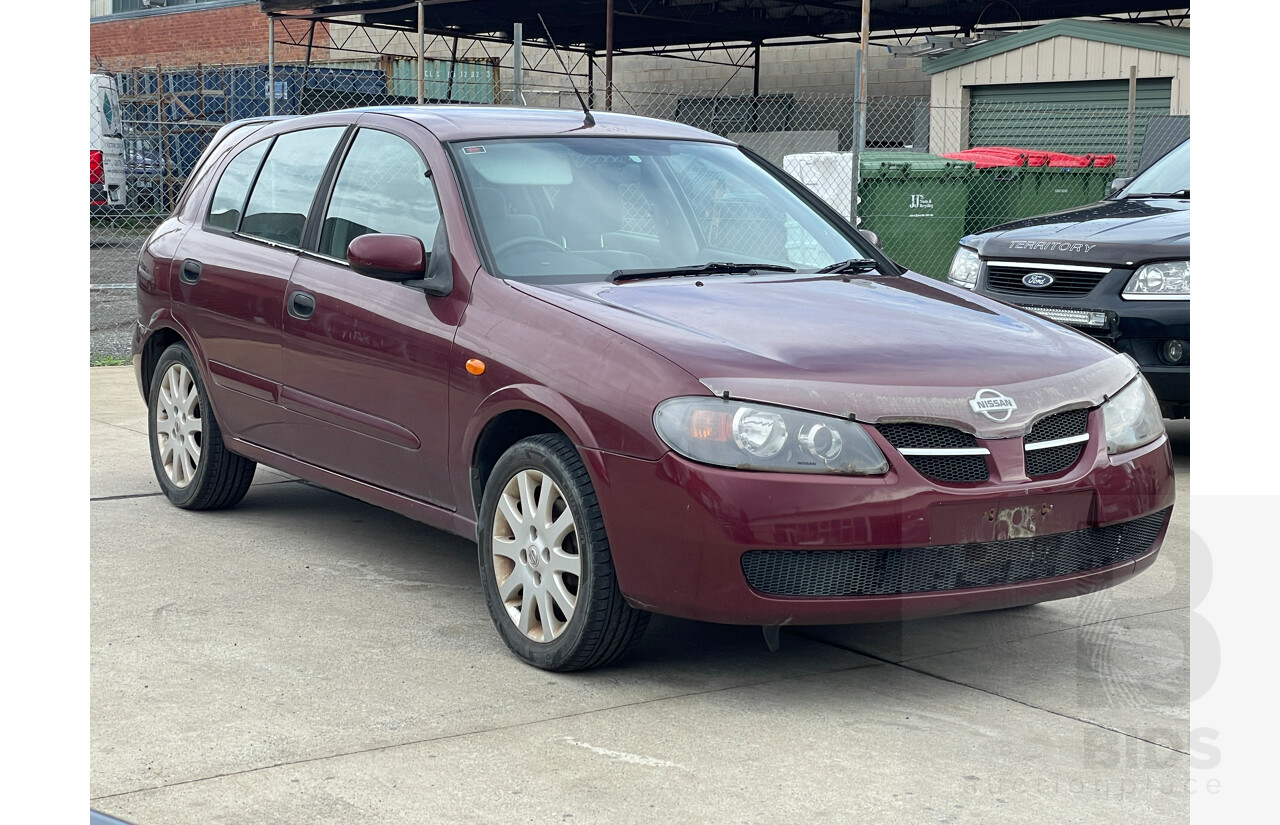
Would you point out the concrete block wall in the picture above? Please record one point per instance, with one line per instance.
(826, 68)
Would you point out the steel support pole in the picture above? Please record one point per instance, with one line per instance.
(271, 66)
(755, 89)
(608, 57)
(422, 47)
(517, 64)
(862, 78)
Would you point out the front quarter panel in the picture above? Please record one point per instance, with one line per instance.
(594, 384)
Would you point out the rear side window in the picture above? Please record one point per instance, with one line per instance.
(383, 187)
(282, 197)
(233, 188)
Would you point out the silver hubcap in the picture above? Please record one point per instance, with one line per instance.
(535, 555)
(179, 427)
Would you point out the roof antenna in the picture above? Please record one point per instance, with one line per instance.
(589, 120)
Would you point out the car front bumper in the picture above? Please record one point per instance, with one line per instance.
(738, 547)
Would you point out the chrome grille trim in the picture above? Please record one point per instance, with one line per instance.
(1057, 442)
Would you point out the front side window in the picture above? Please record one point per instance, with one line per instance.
(383, 187)
(286, 186)
(584, 208)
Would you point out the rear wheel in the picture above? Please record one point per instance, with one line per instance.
(194, 468)
(548, 576)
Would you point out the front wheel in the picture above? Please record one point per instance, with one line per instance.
(194, 468)
(548, 576)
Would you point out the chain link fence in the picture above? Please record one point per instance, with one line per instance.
(916, 180)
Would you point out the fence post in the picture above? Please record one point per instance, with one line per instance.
(856, 139)
(1133, 105)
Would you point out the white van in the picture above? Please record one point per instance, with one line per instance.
(106, 144)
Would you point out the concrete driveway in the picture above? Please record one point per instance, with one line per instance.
(306, 658)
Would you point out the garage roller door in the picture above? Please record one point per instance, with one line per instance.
(1079, 117)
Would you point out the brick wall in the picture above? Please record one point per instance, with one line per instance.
(178, 37)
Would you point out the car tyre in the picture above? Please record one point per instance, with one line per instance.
(545, 565)
(194, 467)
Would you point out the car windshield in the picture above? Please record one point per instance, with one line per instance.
(590, 208)
(1171, 175)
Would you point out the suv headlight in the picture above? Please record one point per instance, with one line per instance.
(964, 268)
(1167, 280)
(751, 436)
(1132, 417)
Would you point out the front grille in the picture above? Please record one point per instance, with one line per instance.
(954, 469)
(1066, 282)
(948, 567)
(1059, 425)
(1053, 460)
(912, 435)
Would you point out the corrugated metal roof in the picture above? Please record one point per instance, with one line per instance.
(1167, 39)
(645, 24)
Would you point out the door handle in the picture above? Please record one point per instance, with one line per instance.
(190, 272)
(302, 305)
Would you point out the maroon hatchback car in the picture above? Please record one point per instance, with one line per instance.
(647, 371)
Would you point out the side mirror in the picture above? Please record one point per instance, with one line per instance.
(403, 258)
(388, 257)
(873, 237)
(1117, 185)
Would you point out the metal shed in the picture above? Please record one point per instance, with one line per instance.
(1063, 67)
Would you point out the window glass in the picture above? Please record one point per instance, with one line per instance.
(1169, 175)
(282, 196)
(228, 198)
(383, 187)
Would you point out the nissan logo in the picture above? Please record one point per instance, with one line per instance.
(993, 404)
(1037, 280)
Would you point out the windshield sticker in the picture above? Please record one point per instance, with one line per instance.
(473, 150)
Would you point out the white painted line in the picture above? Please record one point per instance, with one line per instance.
(632, 758)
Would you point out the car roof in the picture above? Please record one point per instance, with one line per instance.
(450, 122)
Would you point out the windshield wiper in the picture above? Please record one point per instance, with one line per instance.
(851, 265)
(1181, 193)
(711, 268)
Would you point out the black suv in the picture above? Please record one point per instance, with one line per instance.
(1119, 270)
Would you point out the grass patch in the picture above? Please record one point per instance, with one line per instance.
(109, 360)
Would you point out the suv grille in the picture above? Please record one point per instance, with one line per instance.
(948, 567)
(1058, 459)
(955, 469)
(1066, 282)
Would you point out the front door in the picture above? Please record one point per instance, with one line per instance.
(365, 360)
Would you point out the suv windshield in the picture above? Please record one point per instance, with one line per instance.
(593, 208)
(1171, 175)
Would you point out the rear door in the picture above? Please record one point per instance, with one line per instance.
(106, 144)
(365, 360)
(231, 275)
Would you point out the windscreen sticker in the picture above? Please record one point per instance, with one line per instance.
(473, 150)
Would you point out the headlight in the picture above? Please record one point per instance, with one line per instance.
(1132, 417)
(1166, 281)
(761, 437)
(964, 268)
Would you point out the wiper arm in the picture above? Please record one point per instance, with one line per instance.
(851, 265)
(1181, 193)
(711, 268)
